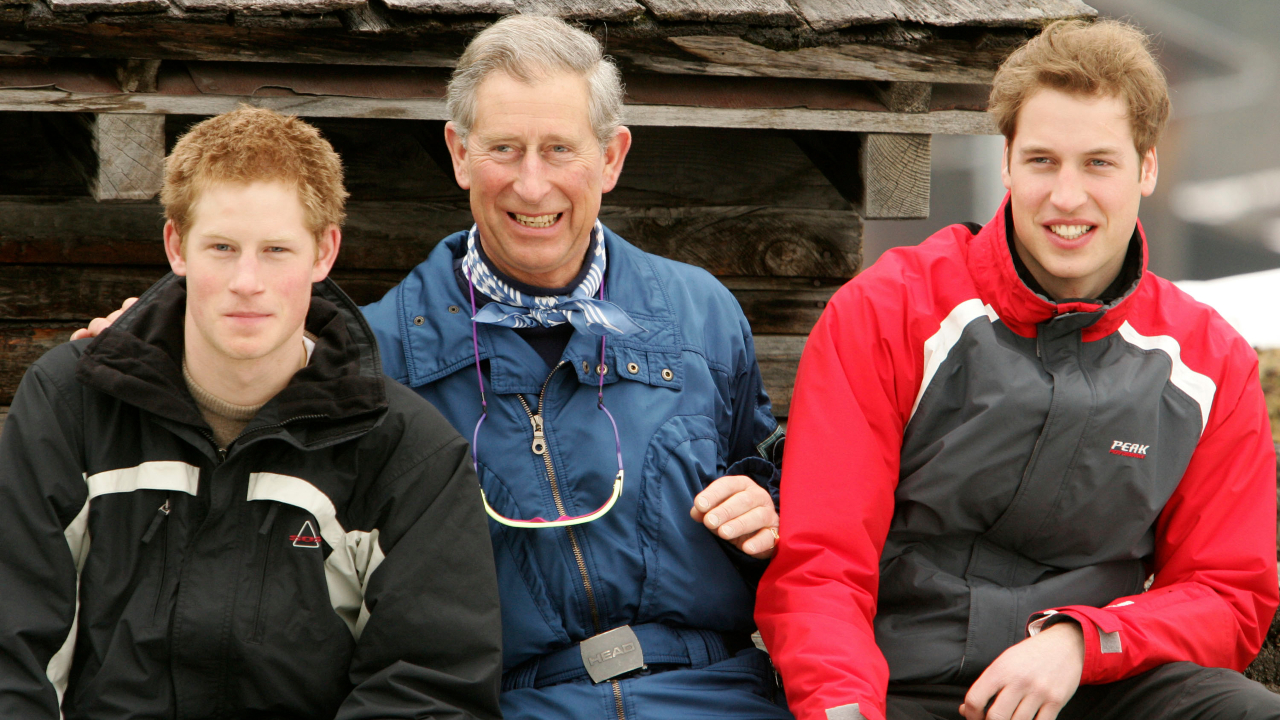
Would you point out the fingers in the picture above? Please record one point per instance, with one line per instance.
(980, 693)
(716, 493)
(762, 545)
(97, 325)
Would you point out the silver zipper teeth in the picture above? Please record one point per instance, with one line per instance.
(555, 494)
(617, 699)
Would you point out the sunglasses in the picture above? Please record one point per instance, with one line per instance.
(539, 522)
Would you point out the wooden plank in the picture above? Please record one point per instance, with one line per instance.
(454, 7)
(827, 15)
(130, 150)
(594, 10)
(895, 176)
(754, 12)
(729, 55)
(948, 122)
(22, 344)
(762, 241)
(4, 414)
(779, 356)
(108, 6)
(253, 7)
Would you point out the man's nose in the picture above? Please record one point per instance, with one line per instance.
(247, 278)
(1069, 191)
(531, 184)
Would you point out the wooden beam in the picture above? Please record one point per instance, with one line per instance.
(730, 55)
(755, 12)
(22, 344)
(895, 175)
(779, 356)
(120, 156)
(454, 7)
(827, 15)
(583, 10)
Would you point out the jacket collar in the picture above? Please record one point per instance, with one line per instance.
(1022, 309)
(435, 324)
(340, 392)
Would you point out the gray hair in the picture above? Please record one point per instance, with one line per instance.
(528, 47)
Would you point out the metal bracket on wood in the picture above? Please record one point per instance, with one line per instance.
(895, 176)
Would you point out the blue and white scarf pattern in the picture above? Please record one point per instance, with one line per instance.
(514, 309)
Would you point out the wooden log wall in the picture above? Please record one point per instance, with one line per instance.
(750, 206)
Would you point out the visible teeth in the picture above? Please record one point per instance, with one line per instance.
(1070, 232)
(536, 221)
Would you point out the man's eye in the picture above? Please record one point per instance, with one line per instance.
(277, 249)
(1099, 163)
(560, 148)
(222, 247)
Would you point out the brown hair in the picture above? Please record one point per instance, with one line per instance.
(248, 145)
(1107, 57)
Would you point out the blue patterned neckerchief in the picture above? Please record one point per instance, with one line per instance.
(514, 309)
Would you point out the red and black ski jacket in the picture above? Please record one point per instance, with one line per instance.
(334, 560)
(966, 455)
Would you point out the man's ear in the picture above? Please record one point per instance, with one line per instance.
(173, 248)
(1150, 170)
(327, 246)
(458, 152)
(615, 153)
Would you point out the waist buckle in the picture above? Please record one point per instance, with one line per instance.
(613, 653)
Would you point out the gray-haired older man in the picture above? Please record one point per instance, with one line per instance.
(609, 395)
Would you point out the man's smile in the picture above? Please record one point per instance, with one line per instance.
(536, 221)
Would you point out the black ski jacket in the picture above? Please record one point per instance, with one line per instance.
(334, 561)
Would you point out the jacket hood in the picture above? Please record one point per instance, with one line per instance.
(1021, 308)
(138, 360)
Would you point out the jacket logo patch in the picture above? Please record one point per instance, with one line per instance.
(1128, 449)
(306, 537)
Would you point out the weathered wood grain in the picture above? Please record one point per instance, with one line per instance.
(4, 414)
(949, 122)
(905, 96)
(585, 10)
(253, 7)
(826, 15)
(22, 344)
(779, 356)
(108, 6)
(454, 7)
(765, 241)
(895, 176)
(130, 150)
(729, 55)
(137, 75)
(755, 12)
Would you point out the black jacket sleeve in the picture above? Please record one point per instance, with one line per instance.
(43, 517)
(431, 646)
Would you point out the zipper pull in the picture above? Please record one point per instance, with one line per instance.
(539, 439)
(161, 514)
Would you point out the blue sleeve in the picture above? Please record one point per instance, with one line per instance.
(383, 317)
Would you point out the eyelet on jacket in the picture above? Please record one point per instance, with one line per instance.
(667, 374)
(419, 320)
(633, 368)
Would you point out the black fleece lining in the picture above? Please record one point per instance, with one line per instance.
(139, 361)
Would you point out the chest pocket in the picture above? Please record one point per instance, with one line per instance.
(689, 579)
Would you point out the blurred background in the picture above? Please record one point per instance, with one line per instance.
(1216, 211)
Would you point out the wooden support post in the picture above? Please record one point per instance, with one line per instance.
(895, 176)
(138, 75)
(121, 156)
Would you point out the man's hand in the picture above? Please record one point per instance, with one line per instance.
(737, 509)
(1031, 680)
(97, 325)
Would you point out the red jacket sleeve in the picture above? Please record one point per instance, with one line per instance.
(1215, 588)
(853, 394)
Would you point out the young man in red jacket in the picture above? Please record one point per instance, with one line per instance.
(1026, 477)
